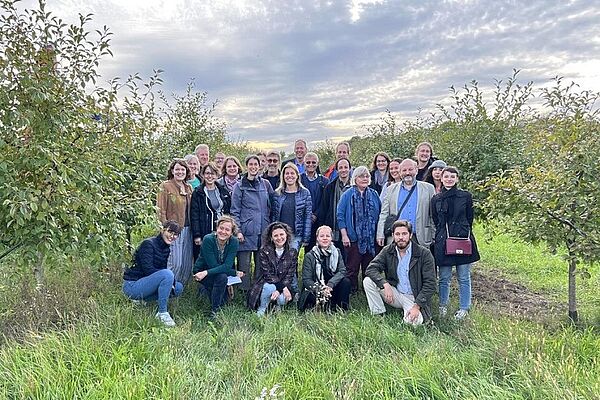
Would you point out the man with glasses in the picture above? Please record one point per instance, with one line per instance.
(315, 183)
(273, 172)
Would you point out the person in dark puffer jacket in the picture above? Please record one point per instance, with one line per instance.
(149, 279)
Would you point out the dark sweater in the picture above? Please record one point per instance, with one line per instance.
(150, 257)
(209, 256)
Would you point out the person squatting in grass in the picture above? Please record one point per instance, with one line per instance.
(403, 276)
(215, 262)
(279, 265)
(148, 279)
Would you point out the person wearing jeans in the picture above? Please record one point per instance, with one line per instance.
(149, 279)
(463, 276)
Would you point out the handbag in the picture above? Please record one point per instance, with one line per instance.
(457, 246)
(391, 218)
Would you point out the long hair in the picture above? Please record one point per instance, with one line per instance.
(181, 162)
(380, 154)
(281, 188)
(268, 240)
(235, 160)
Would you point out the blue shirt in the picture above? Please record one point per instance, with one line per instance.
(402, 270)
(409, 212)
(300, 166)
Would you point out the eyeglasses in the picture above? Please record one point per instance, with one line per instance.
(272, 160)
(310, 162)
(209, 173)
(172, 234)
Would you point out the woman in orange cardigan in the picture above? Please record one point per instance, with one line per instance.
(173, 202)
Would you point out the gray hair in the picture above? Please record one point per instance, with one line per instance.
(359, 171)
(311, 154)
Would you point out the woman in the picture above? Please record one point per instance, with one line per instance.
(230, 174)
(215, 263)
(210, 201)
(324, 275)
(379, 171)
(149, 279)
(452, 212)
(331, 196)
(357, 217)
(173, 203)
(394, 176)
(292, 205)
(251, 208)
(434, 175)
(194, 166)
(279, 264)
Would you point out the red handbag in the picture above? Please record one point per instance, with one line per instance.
(457, 246)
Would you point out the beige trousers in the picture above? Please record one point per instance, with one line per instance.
(377, 306)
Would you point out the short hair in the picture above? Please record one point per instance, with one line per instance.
(411, 160)
(359, 171)
(172, 226)
(210, 165)
(250, 157)
(172, 165)
(343, 144)
(274, 153)
(201, 146)
(235, 160)
(319, 229)
(300, 141)
(189, 157)
(380, 154)
(268, 240)
(452, 169)
(228, 218)
(337, 162)
(312, 154)
(261, 153)
(423, 144)
(402, 223)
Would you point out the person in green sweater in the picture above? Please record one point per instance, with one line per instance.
(215, 262)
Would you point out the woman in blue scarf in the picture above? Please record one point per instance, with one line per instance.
(357, 216)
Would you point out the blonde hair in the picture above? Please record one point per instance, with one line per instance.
(228, 218)
(281, 188)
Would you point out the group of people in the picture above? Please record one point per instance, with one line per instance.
(397, 224)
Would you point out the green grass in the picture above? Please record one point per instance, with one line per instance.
(111, 349)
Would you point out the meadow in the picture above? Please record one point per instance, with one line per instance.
(103, 347)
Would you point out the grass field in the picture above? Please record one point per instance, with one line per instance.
(108, 348)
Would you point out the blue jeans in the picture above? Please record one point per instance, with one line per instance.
(295, 244)
(216, 286)
(463, 276)
(156, 286)
(265, 297)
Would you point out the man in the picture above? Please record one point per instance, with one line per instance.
(424, 157)
(272, 173)
(300, 152)
(342, 150)
(262, 156)
(409, 200)
(403, 276)
(219, 161)
(315, 183)
(202, 152)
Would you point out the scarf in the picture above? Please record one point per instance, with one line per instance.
(380, 178)
(230, 182)
(320, 256)
(365, 220)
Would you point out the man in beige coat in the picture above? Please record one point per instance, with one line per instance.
(416, 210)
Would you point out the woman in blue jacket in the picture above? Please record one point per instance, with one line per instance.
(149, 279)
(357, 216)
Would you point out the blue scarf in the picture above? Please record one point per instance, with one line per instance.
(365, 220)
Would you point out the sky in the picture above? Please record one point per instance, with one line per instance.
(324, 70)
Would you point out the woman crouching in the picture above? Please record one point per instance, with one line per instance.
(278, 263)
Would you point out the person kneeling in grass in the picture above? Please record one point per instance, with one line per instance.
(215, 262)
(278, 263)
(149, 279)
(403, 276)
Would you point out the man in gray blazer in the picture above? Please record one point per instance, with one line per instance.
(415, 196)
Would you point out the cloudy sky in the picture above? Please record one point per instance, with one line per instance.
(283, 70)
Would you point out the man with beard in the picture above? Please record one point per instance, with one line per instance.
(409, 200)
(403, 276)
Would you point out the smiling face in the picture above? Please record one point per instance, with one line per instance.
(224, 231)
(395, 171)
(194, 166)
(263, 162)
(343, 169)
(168, 236)
(310, 164)
(279, 237)
(449, 179)
(402, 237)
(179, 172)
(408, 172)
(342, 151)
(209, 176)
(436, 173)
(272, 164)
(219, 159)
(290, 177)
(381, 163)
(423, 153)
(362, 181)
(324, 237)
(253, 167)
(231, 169)
(300, 150)
(202, 154)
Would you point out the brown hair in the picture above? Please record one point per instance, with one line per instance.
(380, 154)
(235, 160)
(181, 162)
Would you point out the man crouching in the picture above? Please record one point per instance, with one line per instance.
(402, 275)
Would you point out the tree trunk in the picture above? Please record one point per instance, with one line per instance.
(572, 287)
(38, 271)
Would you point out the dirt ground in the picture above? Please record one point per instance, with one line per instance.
(493, 291)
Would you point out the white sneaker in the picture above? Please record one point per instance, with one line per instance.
(165, 318)
(461, 314)
(139, 303)
(443, 311)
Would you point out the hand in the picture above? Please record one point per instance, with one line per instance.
(198, 276)
(286, 294)
(313, 218)
(198, 241)
(239, 274)
(413, 313)
(328, 290)
(240, 237)
(380, 242)
(274, 295)
(345, 240)
(388, 294)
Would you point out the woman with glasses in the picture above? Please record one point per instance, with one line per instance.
(173, 203)
(357, 217)
(149, 279)
(210, 201)
(379, 171)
